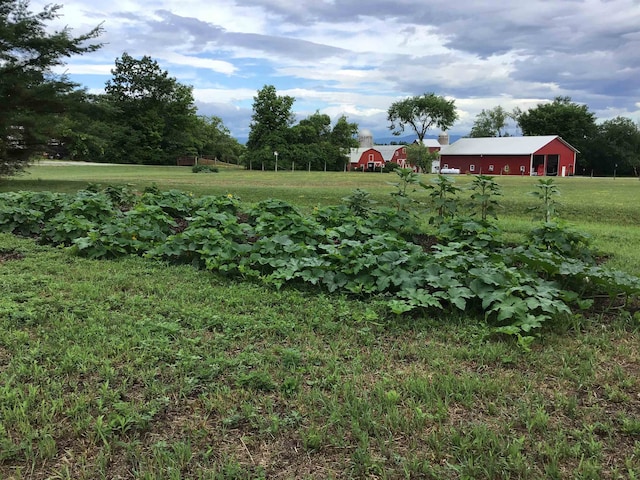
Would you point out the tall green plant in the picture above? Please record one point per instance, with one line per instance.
(485, 189)
(442, 192)
(547, 192)
(359, 203)
(407, 178)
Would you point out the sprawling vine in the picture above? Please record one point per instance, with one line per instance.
(344, 248)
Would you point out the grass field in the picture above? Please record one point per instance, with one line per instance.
(602, 200)
(132, 369)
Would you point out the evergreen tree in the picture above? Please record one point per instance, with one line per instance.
(32, 97)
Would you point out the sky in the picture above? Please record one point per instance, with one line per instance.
(357, 57)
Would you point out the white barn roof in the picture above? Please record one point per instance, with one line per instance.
(500, 145)
(387, 151)
(431, 143)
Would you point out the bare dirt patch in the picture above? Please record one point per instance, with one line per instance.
(7, 255)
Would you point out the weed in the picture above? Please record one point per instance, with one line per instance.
(546, 193)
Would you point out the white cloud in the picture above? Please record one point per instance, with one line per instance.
(197, 62)
(356, 58)
(222, 95)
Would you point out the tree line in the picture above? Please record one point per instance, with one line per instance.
(145, 116)
(605, 148)
(276, 143)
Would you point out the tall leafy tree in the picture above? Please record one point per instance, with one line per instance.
(213, 139)
(310, 141)
(491, 123)
(320, 146)
(156, 112)
(616, 147)
(344, 136)
(572, 121)
(418, 154)
(31, 95)
(421, 113)
(270, 122)
(85, 129)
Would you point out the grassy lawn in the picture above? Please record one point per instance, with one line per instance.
(132, 369)
(600, 200)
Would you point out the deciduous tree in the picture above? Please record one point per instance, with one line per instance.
(418, 154)
(343, 136)
(491, 123)
(213, 139)
(573, 122)
(85, 129)
(157, 111)
(30, 93)
(421, 113)
(319, 146)
(270, 122)
(616, 146)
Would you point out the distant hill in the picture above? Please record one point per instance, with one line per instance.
(393, 140)
(390, 140)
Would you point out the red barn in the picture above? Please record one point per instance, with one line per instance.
(376, 156)
(535, 155)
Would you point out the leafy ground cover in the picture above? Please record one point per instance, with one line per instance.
(603, 207)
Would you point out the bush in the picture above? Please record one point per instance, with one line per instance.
(204, 169)
(390, 167)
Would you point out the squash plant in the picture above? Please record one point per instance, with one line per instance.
(372, 252)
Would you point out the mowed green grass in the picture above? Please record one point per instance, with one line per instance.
(603, 200)
(134, 369)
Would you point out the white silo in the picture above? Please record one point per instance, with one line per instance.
(443, 138)
(365, 138)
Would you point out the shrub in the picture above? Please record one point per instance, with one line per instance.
(204, 169)
(390, 167)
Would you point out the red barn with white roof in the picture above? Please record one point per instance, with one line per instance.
(536, 155)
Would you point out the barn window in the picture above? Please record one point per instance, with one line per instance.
(371, 156)
(404, 150)
(491, 168)
(472, 168)
(522, 168)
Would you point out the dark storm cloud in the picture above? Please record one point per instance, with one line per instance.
(599, 72)
(484, 27)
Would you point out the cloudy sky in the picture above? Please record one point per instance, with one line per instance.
(356, 57)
